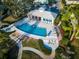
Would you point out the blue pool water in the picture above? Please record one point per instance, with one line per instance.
(46, 46)
(32, 29)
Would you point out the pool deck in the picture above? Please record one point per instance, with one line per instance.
(49, 27)
(54, 40)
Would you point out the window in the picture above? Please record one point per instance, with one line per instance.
(47, 20)
(39, 18)
(32, 17)
(50, 20)
(44, 19)
(36, 17)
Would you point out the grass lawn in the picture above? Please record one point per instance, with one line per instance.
(31, 43)
(30, 55)
(37, 44)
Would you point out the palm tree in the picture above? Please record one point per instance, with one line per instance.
(4, 38)
(69, 22)
(6, 44)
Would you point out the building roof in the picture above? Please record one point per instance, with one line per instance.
(46, 11)
(43, 14)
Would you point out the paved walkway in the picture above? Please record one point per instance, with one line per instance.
(41, 54)
(35, 51)
(20, 52)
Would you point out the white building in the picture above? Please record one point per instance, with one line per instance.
(72, 1)
(41, 1)
(44, 14)
(38, 25)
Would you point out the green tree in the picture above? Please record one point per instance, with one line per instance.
(69, 22)
(18, 7)
(4, 44)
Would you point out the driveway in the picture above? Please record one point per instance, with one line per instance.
(41, 54)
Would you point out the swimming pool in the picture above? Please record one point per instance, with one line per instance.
(32, 29)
